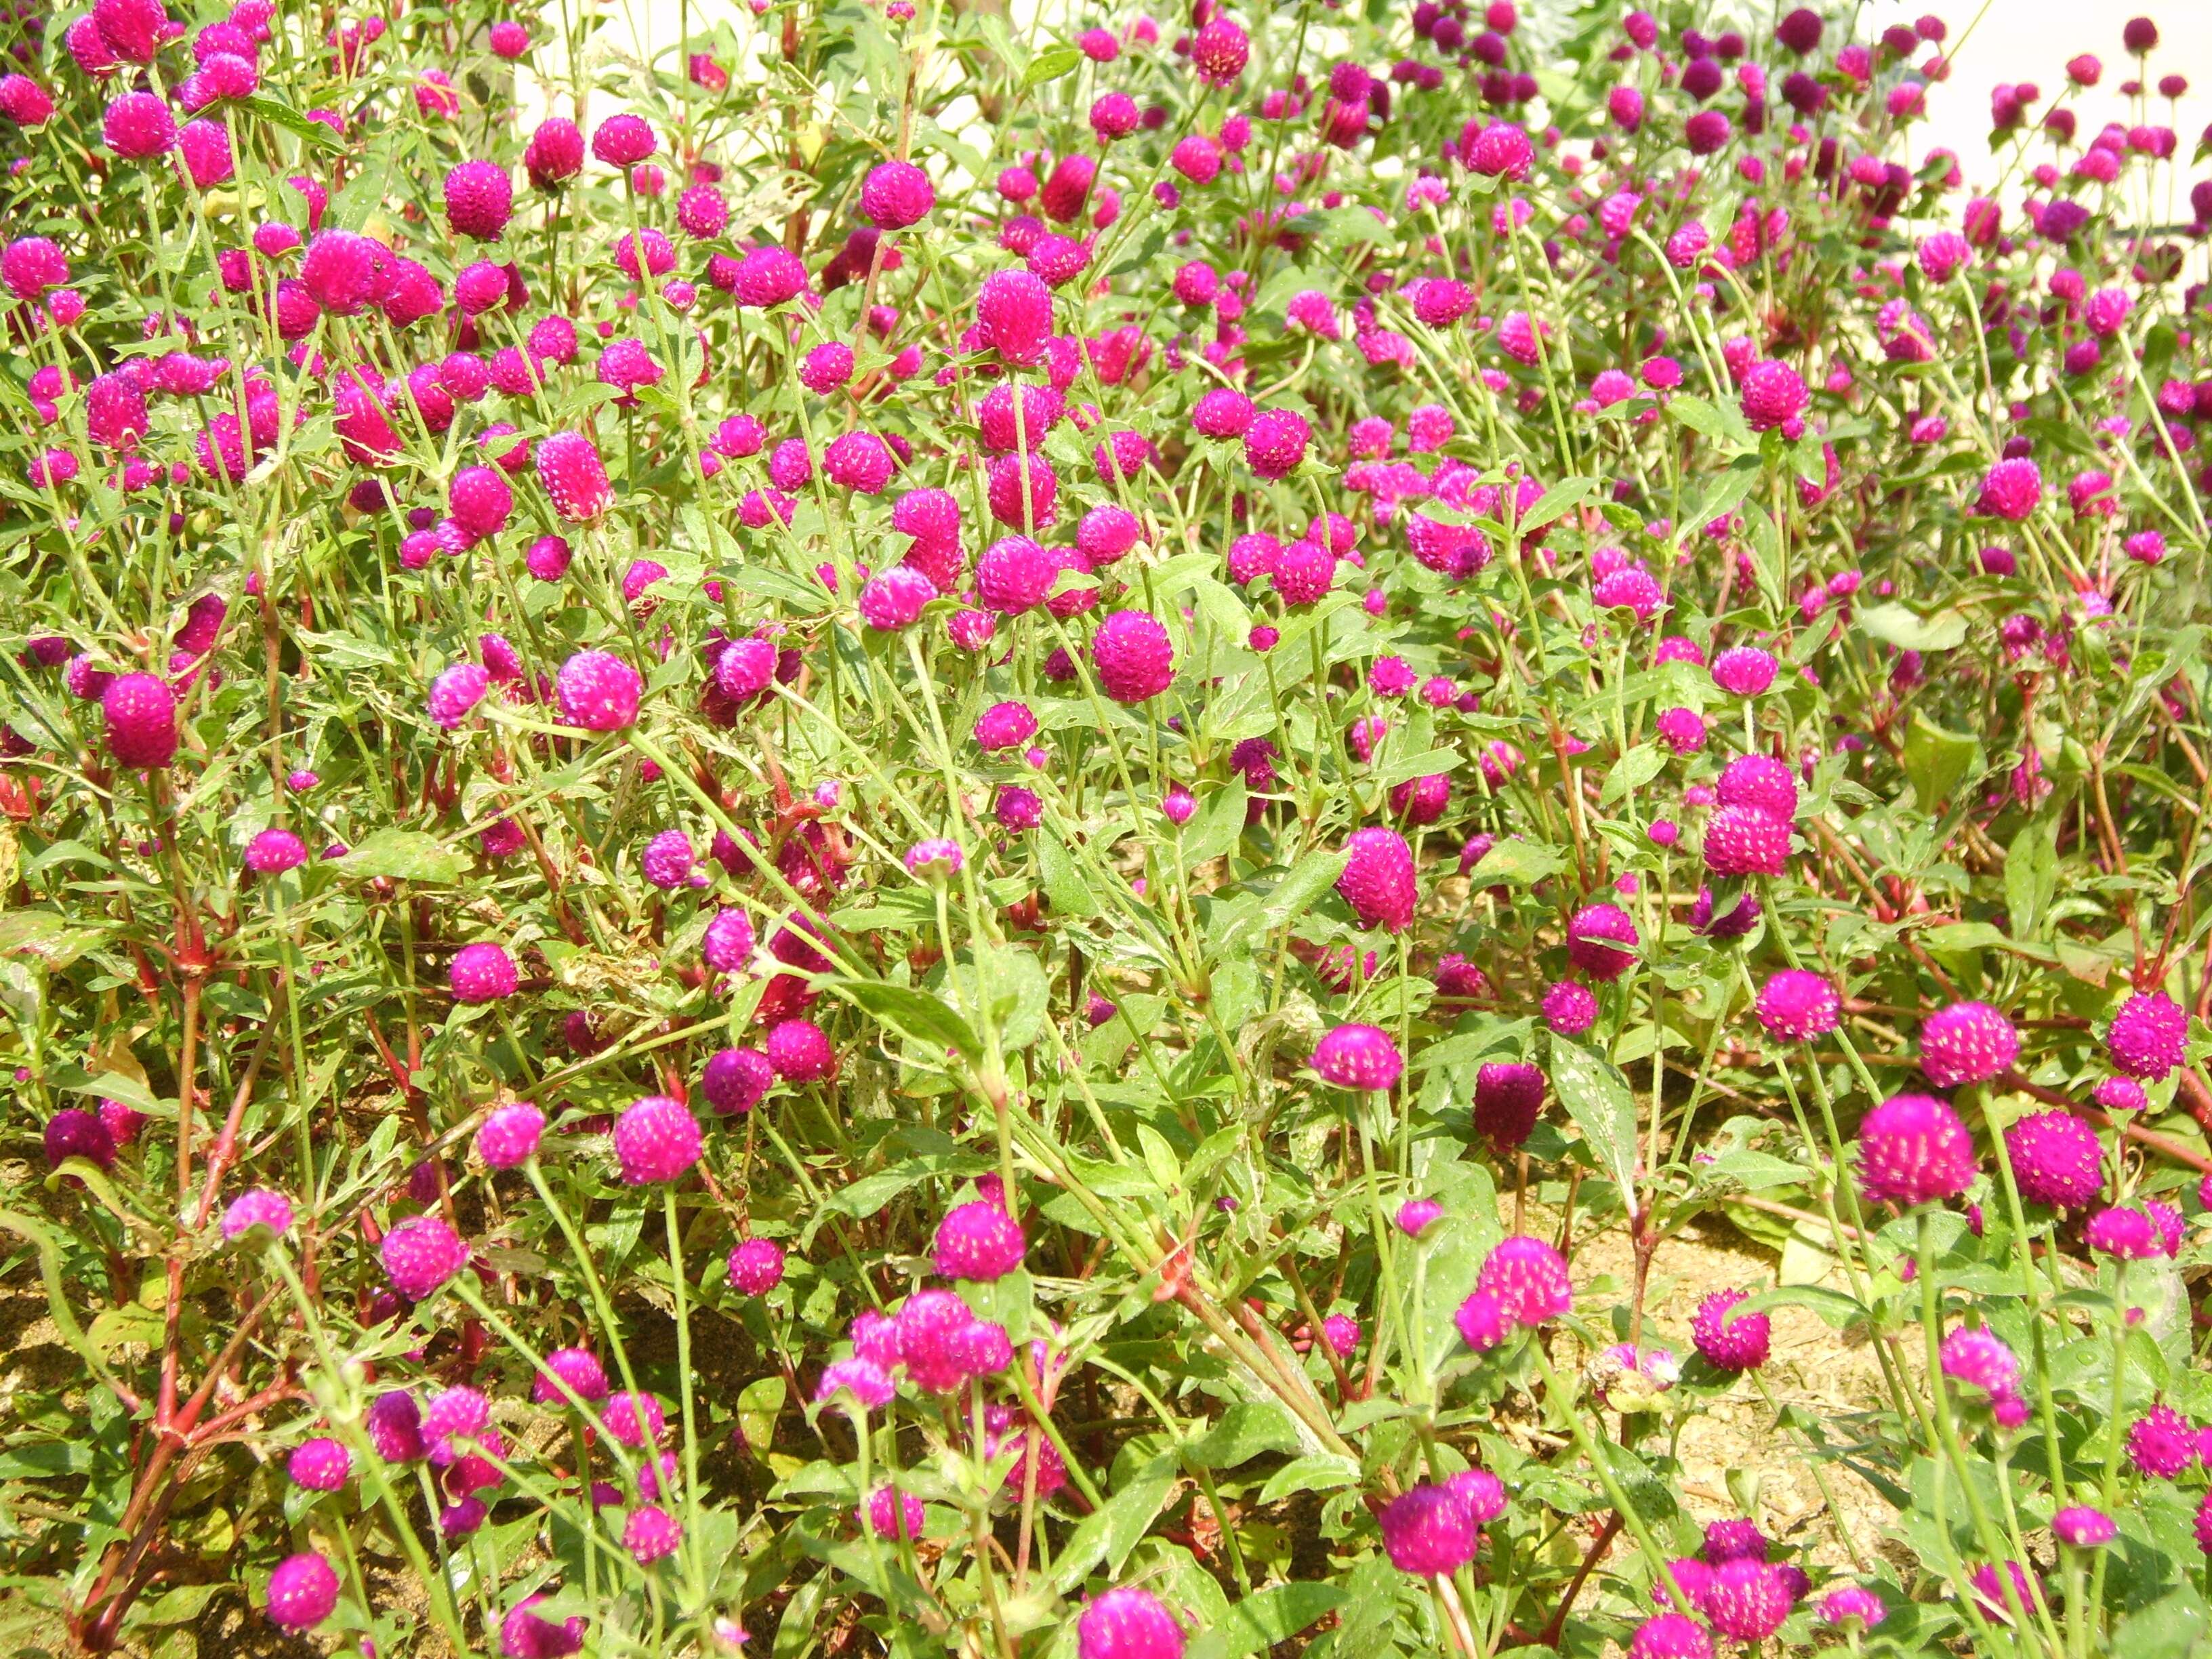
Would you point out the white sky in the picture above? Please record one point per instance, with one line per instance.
(2015, 40)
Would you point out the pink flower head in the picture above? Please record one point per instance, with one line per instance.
(756, 1267)
(896, 194)
(1966, 1042)
(2055, 1159)
(1509, 1095)
(598, 691)
(1378, 881)
(1795, 1007)
(1914, 1150)
(1133, 657)
(1127, 1624)
(979, 1241)
(483, 972)
(1362, 1057)
(1429, 1532)
(1594, 932)
(420, 1253)
(303, 1592)
(2148, 1036)
(1739, 1343)
(1528, 1279)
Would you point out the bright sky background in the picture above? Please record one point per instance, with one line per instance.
(2015, 40)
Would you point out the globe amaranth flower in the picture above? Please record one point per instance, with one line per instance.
(1747, 841)
(2082, 1527)
(1744, 670)
(522, 1633)
(1912, 1149)
(1378, 881)
(2125, 1233)
(1670, 1636)
(656, 1139)
(890, 1513)
(1127, 1624)
(1594, 932)
(2148, 1036)
(756, 1267)
(509, 1134)
(1977, 1357)
(2055, 1159)
(303, 1592)
(1853, 1607)
(1966, 1042)
(1747, 1600)
(483, 972)
(599, 691)
(1569, 1009)
(1528, 1278)
(1133, 656)
(1795, 1007)
(1737, 1343)
(258, 1208)
(934, 858)
(275, 851)
(1509, 1095)
(321, 1464)
(1428, 1531)
(979, 1241)
(1999, 1596)
(942, 1343)
(1361, 1057)
(420, 1253)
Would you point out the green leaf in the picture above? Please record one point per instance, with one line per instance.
(1050, 65)
(1244, 1432)
(404, 855)
(1314, 874)
(915, 1015)
(1274, 1615)
(1218, 827)
(1937, 760)
(2177, 1627)
(759, 1405)
(46, 936)
(1908, 631)
(1631, 772)
(1430, 764)
(1556, 500)
(317, 135)
(1724, 492)
(2031, 875)
(1111, 1531)
(1838, 1310)
(1318, 1472)
(1597, 1097)
(1517, 863)
(1064, 889)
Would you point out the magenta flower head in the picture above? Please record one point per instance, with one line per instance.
(1744, 670)
(482, 973)
(1275, 442)
(1744, 841)
(140, 712)
(522, 1633)
(650, 1534)
(736, 1080)
(319, 1465)
(1998, 1600)
(1914, 1150)
(1362, 1057)
(1978, 1357)
(139, 126)
(891, 1513)
(456, 692)
(896, 194)
(1670, 1636)
(727, 944)
(2148, 1036)
(865, 1380)
(1013, 313)
(2125, 1233)
(2012, 489)
(1507, 1097)
(2078, 1527)
(509, 1134)
(258, 1208)
(1529, 1280)
(801, 1052)
(1378, 881)
(479, 198)
(1731, 1344)
(1133, 657)
(656, 1140)
(1760, 782)
(578, 1367)
(936, 1343)
(1569, 1009)
(667, 860)
(1429, 1532)
(756, 1267)
(622, 140)
(574, 476)
(1592, 935)
(2055, 1159)
(420, 1253)
(1773, 395)
(980, 1241)
(1127, 1624)
(1853, 1607)
(1415, 1215)
(599, 691)
(1747, 1601)
(1966, 1042)
(1795, 1006)
(273, 851)
(303, 1591)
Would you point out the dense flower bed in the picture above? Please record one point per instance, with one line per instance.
(900, 842)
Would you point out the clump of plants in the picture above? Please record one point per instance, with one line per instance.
(931, 833)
